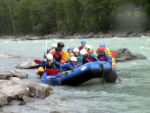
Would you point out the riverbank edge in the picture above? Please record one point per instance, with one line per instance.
(62, 35)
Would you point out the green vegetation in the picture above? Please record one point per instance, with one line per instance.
(46, 16)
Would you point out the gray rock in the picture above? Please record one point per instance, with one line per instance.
(15, 89)
(28, 99)
(90, 35)
(10, 89)
(124, 54)
(121, 34)
(33, 37)
(5, 75)
(40, 90)
(29, 64)
(16, 102)
(18, 73)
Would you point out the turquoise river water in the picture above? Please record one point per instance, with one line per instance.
(131, 95)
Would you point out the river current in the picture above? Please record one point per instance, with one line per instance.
(131, 95)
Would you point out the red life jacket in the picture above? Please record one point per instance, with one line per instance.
(102, 58)
(88, 58)
(80, 48)
(57, 55)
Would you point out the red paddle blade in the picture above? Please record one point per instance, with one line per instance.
(37, 61)
(51, 71)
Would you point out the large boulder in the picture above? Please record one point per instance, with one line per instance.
(18, 73)
(39, 90)
(29, 64)
(15, 89)
(124, 54)
(11, 90)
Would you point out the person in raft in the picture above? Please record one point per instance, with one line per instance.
(110, 54)
(48, 63)
(69, 52)
(87, 57)
(102, 56)
(70, 65)
(83, 42)
(89, 49)
(58, 53)
(78, 56)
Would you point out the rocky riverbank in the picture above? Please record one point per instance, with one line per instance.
(60, 35)
(15, 91)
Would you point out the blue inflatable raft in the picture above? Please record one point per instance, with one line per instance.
(97, 69)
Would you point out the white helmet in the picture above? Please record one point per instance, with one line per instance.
(88, 46)
(49, 56)
(73, 58)
(83, 52)
(76, 50)
(54, 45)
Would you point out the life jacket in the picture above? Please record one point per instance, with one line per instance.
(68, 55)
(112, 54)
(102, 58)
(108, 51)
(88, 58)
(80, 48)
(50, 65)
(56, 54)
(79, 58)
(113, 62)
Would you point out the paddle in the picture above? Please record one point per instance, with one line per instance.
(51, 71)
(37, 61)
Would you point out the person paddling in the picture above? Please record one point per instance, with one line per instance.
(48, 63)
(110, 54)
(102, 56)
(70, 65)
(58, 53)
(87, 57)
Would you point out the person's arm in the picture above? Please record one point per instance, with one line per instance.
(56, 62)
(63, 66)
(43, 64)
(108, 59)
(93, 57)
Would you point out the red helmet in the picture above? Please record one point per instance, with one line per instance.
(101, 49)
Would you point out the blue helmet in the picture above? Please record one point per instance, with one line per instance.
(83, 41)
(70, 48)
(102, 45)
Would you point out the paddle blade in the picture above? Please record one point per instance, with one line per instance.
(37, 61)
(51, 71)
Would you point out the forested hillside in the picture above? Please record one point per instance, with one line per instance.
(46, 16)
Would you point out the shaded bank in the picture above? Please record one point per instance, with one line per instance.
(60, 35)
